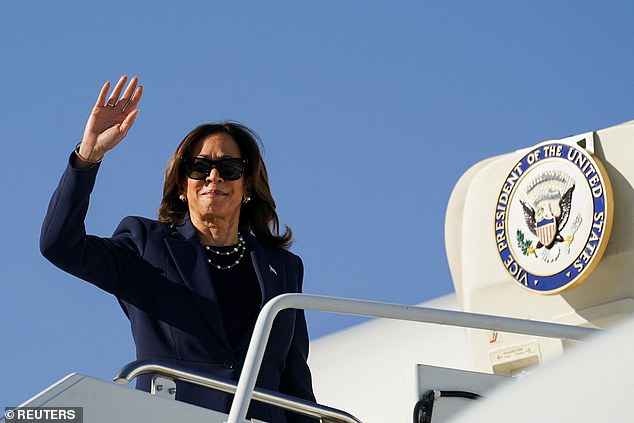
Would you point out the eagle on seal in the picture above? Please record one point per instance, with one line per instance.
(547, 220)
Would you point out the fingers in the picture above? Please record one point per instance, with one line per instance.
(128, 101)
(102, 94)
(114, 97)
(134, 101)
(127, 94)
(128, 122)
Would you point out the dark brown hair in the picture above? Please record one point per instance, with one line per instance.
(258, 216)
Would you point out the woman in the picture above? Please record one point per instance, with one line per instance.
(193, 282)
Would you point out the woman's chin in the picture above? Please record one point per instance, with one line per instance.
(215, 213)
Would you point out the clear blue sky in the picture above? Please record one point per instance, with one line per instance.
(370, 111)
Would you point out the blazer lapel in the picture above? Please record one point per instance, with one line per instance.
(192, 266)
(270, 271)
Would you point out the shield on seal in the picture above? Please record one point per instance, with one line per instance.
(546, 231)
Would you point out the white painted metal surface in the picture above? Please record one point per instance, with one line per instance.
(168, 373)
(446, 379)
(591, 383)
(106, 402)
(369, 369)
(268, 313)
(483, 285)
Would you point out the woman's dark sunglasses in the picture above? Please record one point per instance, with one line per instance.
(229, 169)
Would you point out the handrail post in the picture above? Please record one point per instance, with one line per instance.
(253, 360)
(264, 323)
(286, 402)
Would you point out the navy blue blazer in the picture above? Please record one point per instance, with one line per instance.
(160, 276)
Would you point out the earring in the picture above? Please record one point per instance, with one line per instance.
(182, 198)
(246, 200)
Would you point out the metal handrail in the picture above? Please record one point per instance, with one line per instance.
(297, 405)
(259, 339)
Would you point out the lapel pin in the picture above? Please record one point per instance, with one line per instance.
(272, 270)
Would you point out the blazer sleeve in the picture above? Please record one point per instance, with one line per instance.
(64, 242)
(296, 379)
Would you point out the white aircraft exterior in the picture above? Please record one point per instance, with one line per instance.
(370, 370)
(545, 234)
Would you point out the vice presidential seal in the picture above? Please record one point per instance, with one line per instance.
(553, 217)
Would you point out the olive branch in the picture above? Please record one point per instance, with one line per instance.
(525, 244)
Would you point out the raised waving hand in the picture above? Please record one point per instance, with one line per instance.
(111, 119)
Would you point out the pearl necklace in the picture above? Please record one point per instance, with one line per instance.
(241, 247)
